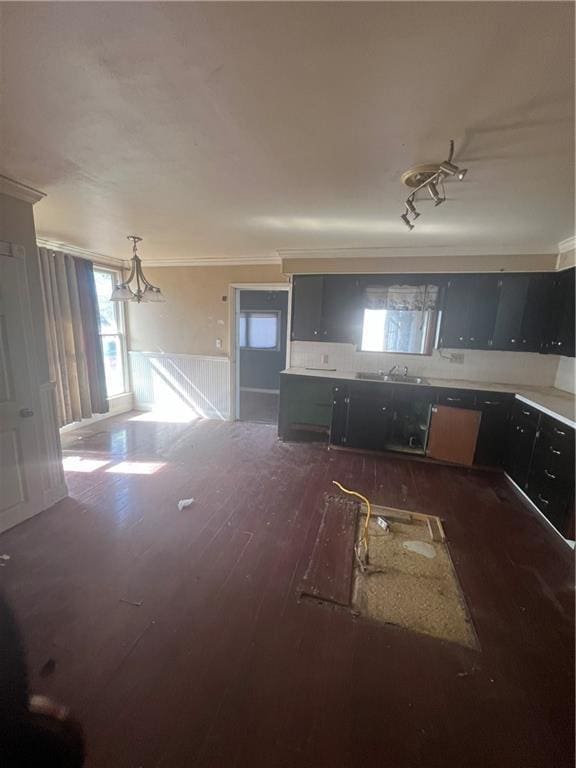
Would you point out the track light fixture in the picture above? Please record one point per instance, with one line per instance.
(412, 208)
(434, 194)
(452, 170)
(407, 221)
(429, 176)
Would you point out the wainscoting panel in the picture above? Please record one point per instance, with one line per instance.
(53, 481)
(196, 385)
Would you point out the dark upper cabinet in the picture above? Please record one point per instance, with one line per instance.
(326, 308)
(469, 312)
(521, 312)
(342, 310)
(560, 329)
(307, 293)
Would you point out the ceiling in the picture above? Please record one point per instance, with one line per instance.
(231, 130)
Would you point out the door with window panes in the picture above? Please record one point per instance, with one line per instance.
(112, 331)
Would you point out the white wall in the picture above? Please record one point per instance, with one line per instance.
(498, 367)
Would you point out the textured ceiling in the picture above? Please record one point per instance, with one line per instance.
(231, 129)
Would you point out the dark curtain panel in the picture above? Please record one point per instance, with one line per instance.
(90, 330)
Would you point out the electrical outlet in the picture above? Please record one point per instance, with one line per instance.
(218, 343)
(457, 357)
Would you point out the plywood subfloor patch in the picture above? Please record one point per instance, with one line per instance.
(329, 574)
(411, 581)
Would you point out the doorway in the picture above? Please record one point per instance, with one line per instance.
(261, 347)
(20, 478)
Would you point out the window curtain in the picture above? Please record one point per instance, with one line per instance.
(72, 336)
(401, 297)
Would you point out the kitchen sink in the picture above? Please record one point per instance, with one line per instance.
(391, 377)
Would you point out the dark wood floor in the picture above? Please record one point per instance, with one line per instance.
(259, 407)
(222, 666)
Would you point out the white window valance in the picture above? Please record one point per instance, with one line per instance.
(401, 297)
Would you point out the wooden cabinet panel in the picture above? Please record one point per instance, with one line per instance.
(453, 434)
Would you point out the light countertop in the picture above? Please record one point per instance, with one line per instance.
(554, 402)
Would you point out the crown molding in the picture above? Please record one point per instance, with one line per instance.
(220, 261)
(568, 244)
(381, 252)
(20, 191)
(82, 253)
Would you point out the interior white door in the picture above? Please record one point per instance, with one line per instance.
(20, 473)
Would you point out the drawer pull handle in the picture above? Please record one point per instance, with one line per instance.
(542, 499)
(559, 432)
(454, 399)
(550, 475)
(490, 402)
(558, 453)
(513, 341)
(526, 413)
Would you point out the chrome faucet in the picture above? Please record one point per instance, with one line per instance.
(405, 370)
(392, 370)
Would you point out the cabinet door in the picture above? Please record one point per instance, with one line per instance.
(535, 313)
(453, 434)
(368, 422)
(482, 311)
(307, 294)
(495, 409)
(512, 300)
(521, 438)
(338, 426)
(565, 334)
(341, 310)
(455, 314)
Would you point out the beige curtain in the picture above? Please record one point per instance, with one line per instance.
(65, 336)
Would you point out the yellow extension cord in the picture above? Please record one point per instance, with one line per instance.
(368, 507)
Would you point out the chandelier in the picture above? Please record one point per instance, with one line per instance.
(141, 289)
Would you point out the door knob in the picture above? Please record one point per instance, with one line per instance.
(26, 413)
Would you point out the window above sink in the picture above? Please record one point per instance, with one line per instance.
(399, 318)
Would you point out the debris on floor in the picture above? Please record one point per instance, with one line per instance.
(184, 503)
(135, 603)
(4, 557)
(410, 580)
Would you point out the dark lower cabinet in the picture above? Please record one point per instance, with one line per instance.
(367, 421)
(541, 462)
(305, 406)
(491, 443)
(520, 444)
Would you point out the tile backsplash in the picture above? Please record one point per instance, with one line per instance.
(565, 375)
(477, 365)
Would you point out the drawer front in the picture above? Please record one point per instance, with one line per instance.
(456, 398)
(552, 500)
(489, 401)
(554, 453)
(559, 435)
(525, 414)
